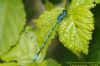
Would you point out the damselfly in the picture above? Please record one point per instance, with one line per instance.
(59, 19)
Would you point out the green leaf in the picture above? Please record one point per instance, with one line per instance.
(97, 1)
(48, 62)
(51, 62)
(9, 64)
(75, 31)
(12, 20)
(86, 3)
(25, 50)
(48, 5)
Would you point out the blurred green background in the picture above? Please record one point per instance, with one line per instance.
(56, 50)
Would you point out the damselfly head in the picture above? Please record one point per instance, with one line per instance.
(62, 15)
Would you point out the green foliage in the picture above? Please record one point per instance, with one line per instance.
(9, 64)
(48, 5)
(85, 3)
(97, 1)
(23, 52)
(22, 45)
(12, 20)
(75, 31)
(48, 62)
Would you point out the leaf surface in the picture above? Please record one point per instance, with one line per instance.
(25, 49)
(75, 30)
(12, 20)
(97, 1)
